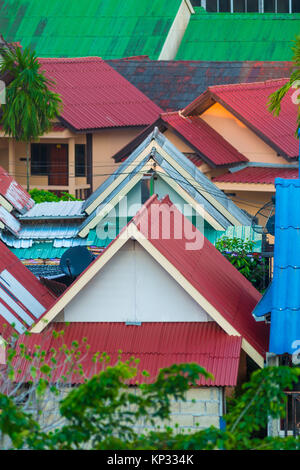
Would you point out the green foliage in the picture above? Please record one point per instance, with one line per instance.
(31, 105)
(102, 411)
(275, 99)
(41, 195)
(240, 254)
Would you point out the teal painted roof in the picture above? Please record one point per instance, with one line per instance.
(239, 36)
(76, 28)
(47, 250)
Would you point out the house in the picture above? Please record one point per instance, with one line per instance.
(173, 84)
(110, 29)
(280, 303)
(239, 148)
(48, 229)
(101, 113)
(164, 299)
(240, 36)
(14, 201)
(23, 298)
(157, 167)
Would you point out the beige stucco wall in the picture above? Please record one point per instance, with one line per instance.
(106, 143)
(20, 170)
(240, 136)
(251, 201)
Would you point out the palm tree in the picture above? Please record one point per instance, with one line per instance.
(30, 106)
(276, 98)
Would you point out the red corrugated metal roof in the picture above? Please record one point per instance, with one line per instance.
(205, 268)
(248, 102)
(17, 305)
(14, 193)
(156, 344)
(204, 139)
(95, 96)
(214, 277)
(260, 175)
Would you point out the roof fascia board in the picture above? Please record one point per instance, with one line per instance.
(116, 199)
(261, 187)
(262, 165)
(131, 231)
(251, 351)
(89, 209)
(200, 104)
(203, 213)
(197, 186)
(4, 202)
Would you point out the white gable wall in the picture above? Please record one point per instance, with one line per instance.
(133, 287)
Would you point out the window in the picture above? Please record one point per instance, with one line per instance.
(80, 160)
(39, 159)
(248, 6)
(296, 6)
(252, 6)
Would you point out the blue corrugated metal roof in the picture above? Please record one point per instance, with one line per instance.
(283, 298)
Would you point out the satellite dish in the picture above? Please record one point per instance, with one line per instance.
(266, 215)
(75, 260)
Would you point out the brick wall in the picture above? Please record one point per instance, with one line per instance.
(202, 408)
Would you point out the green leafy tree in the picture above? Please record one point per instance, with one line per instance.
(41, 195)
(31, 106)
(241, 254)
(276, 98)
(103, 411)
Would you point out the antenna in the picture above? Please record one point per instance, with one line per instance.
(75, 260)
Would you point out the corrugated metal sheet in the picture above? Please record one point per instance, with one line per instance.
(173, 84)
(95, 96)
(257, 175)
(61, 209)
(109, 29)
(205, 268)
(157, 345)
(204, 138)
(283, 299)
(248, 102)
(196, 176)
(239, 36)
(23, 299)
(14, 193)
(9, 221)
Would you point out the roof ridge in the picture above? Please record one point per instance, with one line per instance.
(254, 85)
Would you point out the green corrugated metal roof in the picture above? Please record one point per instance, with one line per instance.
(239, 36)
(74, 28)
